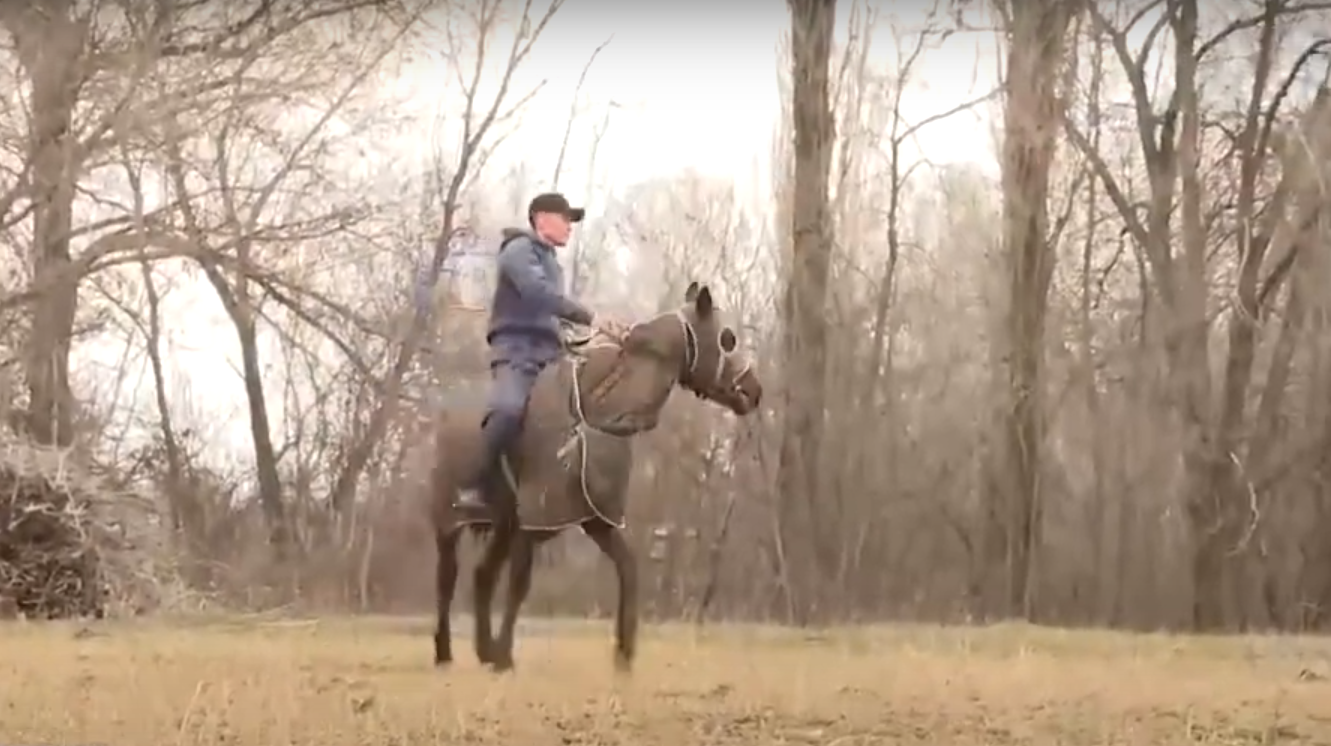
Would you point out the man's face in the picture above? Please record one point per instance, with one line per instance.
(554, 227)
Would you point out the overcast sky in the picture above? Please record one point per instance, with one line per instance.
(696, 87)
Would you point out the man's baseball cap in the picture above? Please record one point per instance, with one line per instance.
(556, 203)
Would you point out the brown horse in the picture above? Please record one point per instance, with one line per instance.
(571, 464)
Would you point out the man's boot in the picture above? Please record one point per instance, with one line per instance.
(494, 440)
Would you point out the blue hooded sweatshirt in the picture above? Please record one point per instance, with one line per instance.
(529, 301)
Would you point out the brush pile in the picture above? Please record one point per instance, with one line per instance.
(70, 545)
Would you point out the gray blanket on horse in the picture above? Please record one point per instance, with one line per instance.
(563, 470)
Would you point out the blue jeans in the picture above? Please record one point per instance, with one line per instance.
(511, 385)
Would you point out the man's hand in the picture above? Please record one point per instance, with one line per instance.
(613, 328)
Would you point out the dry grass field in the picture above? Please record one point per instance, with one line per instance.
(369, 681)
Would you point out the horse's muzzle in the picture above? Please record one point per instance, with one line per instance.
(746, 394)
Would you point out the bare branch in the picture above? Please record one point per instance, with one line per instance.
(573, 112)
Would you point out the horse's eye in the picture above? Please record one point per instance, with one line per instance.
(727, 340)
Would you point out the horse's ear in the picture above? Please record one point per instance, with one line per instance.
(703, 303)
(691, 292)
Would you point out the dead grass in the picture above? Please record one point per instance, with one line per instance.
(368, 681)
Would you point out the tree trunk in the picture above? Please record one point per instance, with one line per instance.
(805, 337)
(50, 44)
(1208, 494)
(1032, 119)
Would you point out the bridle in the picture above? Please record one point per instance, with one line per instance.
(689, 370)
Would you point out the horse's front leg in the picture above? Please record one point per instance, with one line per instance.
(520, 560)
(445, 579)
(613, 545)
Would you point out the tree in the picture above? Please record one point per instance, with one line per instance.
(805, 302)
(1182, 141)
(1036, 35)
(259, 211)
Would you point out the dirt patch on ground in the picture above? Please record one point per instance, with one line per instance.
(368, 681)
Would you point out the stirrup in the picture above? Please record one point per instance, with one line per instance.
(470, 498)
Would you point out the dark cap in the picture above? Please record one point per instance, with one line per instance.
(556, 203)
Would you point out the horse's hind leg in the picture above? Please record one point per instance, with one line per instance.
(613, 545)
(484, 580)
(520, 560)
(445, 580)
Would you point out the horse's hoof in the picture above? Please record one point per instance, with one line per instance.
(502, 665)
(623, 662)
(443, 652)
(442, 662)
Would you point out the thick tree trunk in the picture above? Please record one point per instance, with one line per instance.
(811, 23)
(1032, 121)
(50, 44)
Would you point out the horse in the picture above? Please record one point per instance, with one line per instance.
(571, 463)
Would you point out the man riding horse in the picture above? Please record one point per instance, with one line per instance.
(523, 334)
(554, 442)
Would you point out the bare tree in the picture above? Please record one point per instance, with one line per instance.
(52, 47)
(1178, 146)
(811, 24)
(259, 213)
(1036, 40)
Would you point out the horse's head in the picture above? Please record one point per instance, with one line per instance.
(713, 366)
(692, 346)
